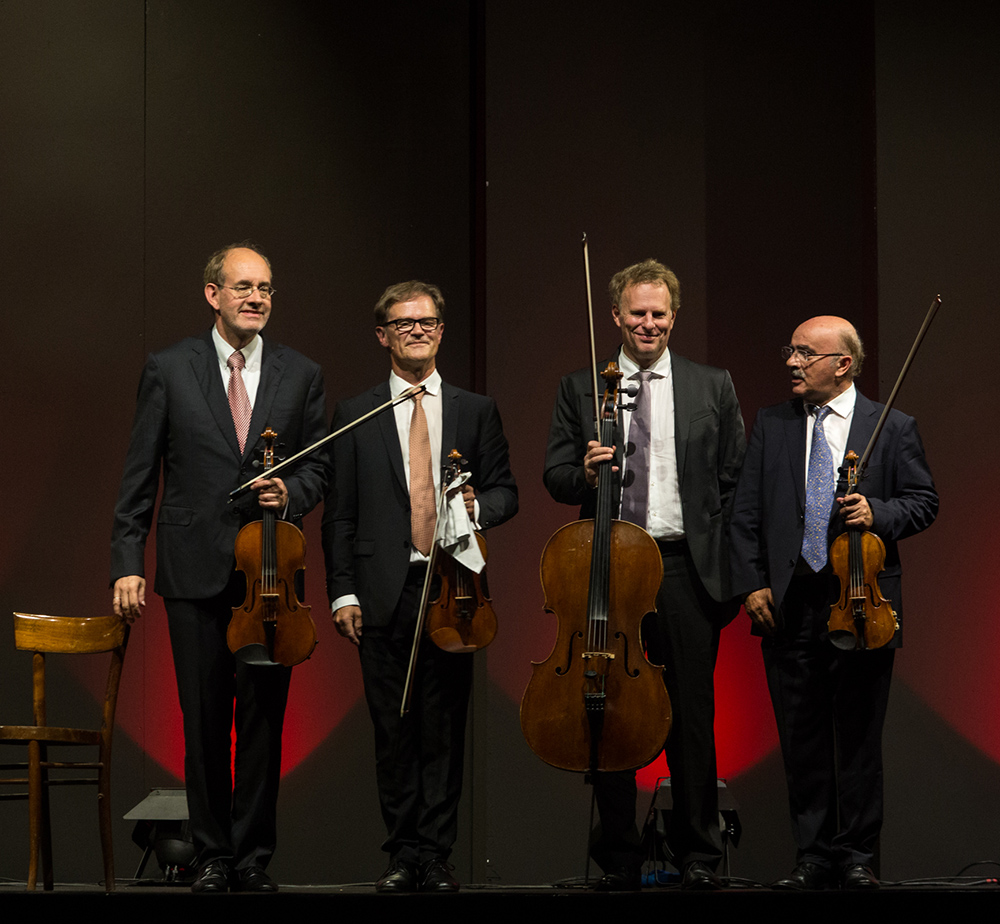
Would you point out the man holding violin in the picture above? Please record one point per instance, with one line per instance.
(679, 451)
(201, 406)
(829, 701)
(378, 525)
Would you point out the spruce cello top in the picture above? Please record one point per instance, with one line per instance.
(596, 703)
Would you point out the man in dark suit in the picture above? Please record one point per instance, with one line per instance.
(829, 701)
(377, 528)
(679, 481)
(204, 441)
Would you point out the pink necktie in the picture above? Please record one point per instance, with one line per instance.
(422, 512)
(239, 401)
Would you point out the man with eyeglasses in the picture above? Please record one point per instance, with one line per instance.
(378, 526)
(674, 463)
(201, 408)
(829, 702)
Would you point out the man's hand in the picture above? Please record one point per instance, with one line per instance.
(855, 511)
(469, 496)
(271, 493)
(128, 597)
(595, 457)
(760, 608)
(348, 622)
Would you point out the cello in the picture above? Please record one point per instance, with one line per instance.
(596, 703)
(272, 626)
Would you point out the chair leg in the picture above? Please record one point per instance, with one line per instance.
(104, 820)
(46, 828)
(34, 811)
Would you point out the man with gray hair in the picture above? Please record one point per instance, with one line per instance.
(829, 699)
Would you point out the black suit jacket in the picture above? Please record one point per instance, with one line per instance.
(366, 520)
(710, 444)
(769, 512)
(183, 422)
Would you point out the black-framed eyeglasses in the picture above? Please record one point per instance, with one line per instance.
(405, 325)
(807, 356)
(264, 290)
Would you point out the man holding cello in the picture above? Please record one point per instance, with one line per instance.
(678, 453)
(201, 408)
(378, 525)
(829, 697)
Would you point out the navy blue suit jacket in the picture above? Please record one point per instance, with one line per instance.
(183, 425)
(769, 513)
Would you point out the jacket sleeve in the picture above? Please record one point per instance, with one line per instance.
(133, 515)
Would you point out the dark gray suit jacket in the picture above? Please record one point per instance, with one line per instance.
(366, 519)
(710, 444)
(183, 424)
(769, 512)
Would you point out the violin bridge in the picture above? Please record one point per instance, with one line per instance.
(599, 654)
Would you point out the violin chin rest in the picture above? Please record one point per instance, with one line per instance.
(844, 640)
(255, 654)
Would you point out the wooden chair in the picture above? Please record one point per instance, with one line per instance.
(65, 635)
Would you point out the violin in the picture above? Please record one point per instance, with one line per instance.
(272, 625)
(460, 619)
(596, 703)
(862, 618)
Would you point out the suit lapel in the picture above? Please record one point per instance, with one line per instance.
(390, 435)
(272, 368)
(449, 423)
(682, 411)
(862, 424)
(205, 366)
(795, 440)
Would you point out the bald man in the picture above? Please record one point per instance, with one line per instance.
(829, 702)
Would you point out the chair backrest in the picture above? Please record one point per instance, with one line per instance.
(73, 635)
(69, 634)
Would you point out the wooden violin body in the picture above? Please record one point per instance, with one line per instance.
(461, 618)
(272, 625)
(862, 618)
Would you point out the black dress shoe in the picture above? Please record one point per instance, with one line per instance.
(806, 877)
(212, 877)
(698, 876)
(623, 879)
(860, 877)
(435, 876)
(253, 879)
(401, 876)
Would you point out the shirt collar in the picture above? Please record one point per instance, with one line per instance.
(661, 368)
(843, 404)
(398, 385)
(251, 352)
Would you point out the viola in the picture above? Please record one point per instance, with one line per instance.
(272, 624)
(862, 618)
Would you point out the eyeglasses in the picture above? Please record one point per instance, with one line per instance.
(245, 291)
(807, 356)
(405, 325)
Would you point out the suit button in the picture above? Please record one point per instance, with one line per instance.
(406, 544)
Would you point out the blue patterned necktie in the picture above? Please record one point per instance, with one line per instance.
(820, 491)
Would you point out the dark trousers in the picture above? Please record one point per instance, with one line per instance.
(232, 818)
(419, 757)
(830, 708)
(683, 635)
